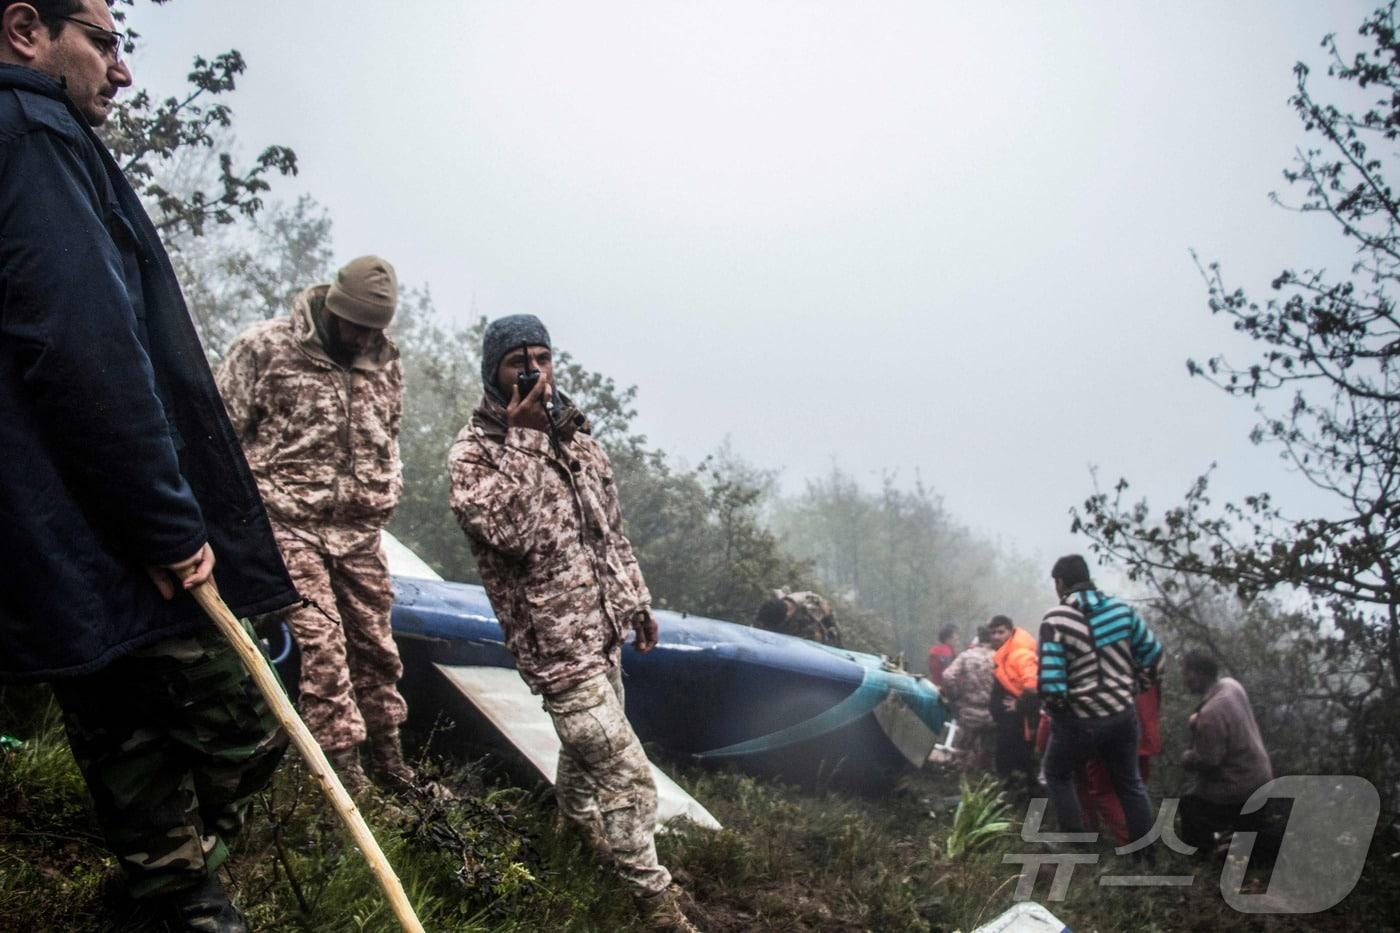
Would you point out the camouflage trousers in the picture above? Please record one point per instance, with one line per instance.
(350, 665)
(172, 740)
(604, 783)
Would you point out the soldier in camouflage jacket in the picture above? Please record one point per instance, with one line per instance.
(803, 614)
(535, 494)
(322, 437)
(316, 399)
(546, 530)
(967, 682)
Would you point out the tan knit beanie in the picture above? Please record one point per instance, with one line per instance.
(365, 292)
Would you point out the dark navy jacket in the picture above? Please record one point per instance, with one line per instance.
(115, 451)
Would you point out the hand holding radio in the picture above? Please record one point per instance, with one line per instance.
(530, 398)
(527, 378)
(529, 410)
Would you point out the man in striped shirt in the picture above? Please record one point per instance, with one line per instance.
(1094, 654)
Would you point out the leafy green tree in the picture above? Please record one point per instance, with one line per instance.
(144, 133)
(701, 538)
(1327, 348)
(238, 259)
(1319, 704)
(896, 555)
(237, 275)
(442, 385)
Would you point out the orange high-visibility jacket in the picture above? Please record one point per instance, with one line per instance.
(1015, 663)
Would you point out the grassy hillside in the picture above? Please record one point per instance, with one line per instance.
(789, 859)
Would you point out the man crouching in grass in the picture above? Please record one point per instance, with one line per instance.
(535, 494)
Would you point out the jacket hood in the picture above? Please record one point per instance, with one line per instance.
(381, 353)
(20, 78)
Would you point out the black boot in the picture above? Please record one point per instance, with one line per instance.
(205, 908)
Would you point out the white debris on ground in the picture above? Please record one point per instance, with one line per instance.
(1026, 917)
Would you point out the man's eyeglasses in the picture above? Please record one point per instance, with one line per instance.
(110, 40)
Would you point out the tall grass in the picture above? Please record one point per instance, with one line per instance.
(788, 859)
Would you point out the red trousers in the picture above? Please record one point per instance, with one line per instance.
(1099, 804)
(1102, 812)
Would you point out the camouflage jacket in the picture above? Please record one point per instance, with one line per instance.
(546, 531)
(811, 618)
(322, 440)
(968, 683)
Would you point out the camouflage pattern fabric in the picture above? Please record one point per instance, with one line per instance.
(811, 618)
(322, 440)
(975, 746)
(349, 663)
(172, 740)
(604, 783)
(546, 530)
(968, 683)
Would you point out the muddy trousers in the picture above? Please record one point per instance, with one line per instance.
(604, 784)
(350, 666)
(172, 740)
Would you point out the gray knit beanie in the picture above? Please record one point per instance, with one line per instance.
(503, 335)
(365, 292)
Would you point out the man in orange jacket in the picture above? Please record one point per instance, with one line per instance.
(1015, 705)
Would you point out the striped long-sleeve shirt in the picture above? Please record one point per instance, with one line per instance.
(1092, 648)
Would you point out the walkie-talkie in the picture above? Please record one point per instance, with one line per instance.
(527, 378)
(525, 381)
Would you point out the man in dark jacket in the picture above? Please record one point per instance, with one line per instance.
(120, 475)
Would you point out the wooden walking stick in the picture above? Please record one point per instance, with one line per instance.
(257, 666)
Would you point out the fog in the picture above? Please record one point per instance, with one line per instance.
(949, 240)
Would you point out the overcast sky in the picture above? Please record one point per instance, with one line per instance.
(933, 237)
